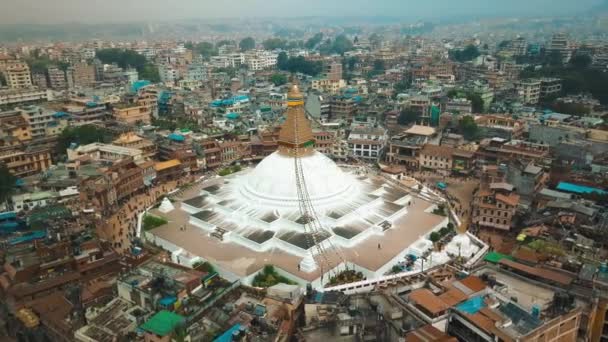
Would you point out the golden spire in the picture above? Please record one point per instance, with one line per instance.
(295, 134)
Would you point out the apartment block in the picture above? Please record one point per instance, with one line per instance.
(18, 75)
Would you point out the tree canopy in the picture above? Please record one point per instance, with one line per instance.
(274, 43)
(7, 183)
(468, 128)
(312, 42)
(468, 53)
(577, 77)
(408, 116)
(298, 64)
(82, 135)
(247, 44)
(129, 58)
(339, 46)
(278, 79)
(206, 49)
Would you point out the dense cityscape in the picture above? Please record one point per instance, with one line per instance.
(305, 179)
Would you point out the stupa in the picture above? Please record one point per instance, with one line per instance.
(251, 218)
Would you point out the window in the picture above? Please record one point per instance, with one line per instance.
(491, 220)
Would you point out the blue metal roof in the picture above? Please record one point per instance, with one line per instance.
(60, 115)
(8, 215)
(176, 137)
(472, 306)
(579, 189)
(140, 84)
(35, 235)
(233, 116)
(227, 335)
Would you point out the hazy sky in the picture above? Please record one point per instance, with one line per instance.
(54, 11)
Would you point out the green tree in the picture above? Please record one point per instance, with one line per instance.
(299, 64)
(314, 41)
(224, 42)
(206, 49)
(401, 87)
(274, 43)
(282, 60)
(581, 61)
(150, 72)
(351, 62)
(554, 58)
(467, 54)
(341, 45)
(278, 79)
(247, 44)
(468, 128)
(476, 102)
(378, 67)
(408, 116)
(82, 135)
(7, 183)
(2, 80)
(435, 237)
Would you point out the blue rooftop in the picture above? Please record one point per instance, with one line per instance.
(579, 189)
(232, 116)
(8, 215)
(140, 84)
(176, 137)
(59, 115)
(35, 235)
(91, 104)
(227, 335)
(167, 301)
(472, 306)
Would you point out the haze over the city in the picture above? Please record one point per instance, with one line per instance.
(63, 11)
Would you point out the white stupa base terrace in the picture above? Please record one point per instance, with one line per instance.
(375, 226)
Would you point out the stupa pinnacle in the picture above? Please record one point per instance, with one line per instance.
(295, 134)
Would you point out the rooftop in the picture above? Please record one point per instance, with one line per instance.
(163, 323)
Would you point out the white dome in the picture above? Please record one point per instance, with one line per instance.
(273, 181)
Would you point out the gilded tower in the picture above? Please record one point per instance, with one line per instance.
(296, 133)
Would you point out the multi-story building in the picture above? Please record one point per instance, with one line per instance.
(500, 126)
(23, 160)
(57, 78)
(550, 87)
(342, 109)
(494, 206)
(132, 140)
(18, 75)
(436, 158)
(367, 143)
(83, 74)
(560, 44)
(14, 124)
(404, 149)
(518, 46)
(318, 106)
(333, 71)
(324, 141)
(103, 152)
(38, 118)
(22, 96)
(329, 86)
(497, 323)
(459, 106)
(529, 91)
(40, 81)
(85, 111)
(168, 74)
(131, 113)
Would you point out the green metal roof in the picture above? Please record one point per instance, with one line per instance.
(163, 323)
(495, 257)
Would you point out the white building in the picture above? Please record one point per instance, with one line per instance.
(367, 143)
